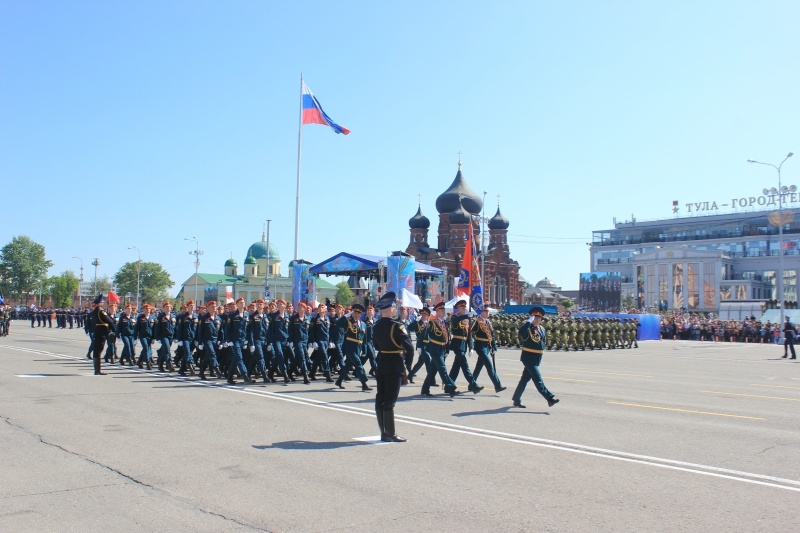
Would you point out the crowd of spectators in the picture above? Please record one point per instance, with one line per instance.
(702, 327)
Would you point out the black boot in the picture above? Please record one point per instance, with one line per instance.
(328, 377)
(264, 376)
(306, 380)
(170, 367)
(365, 387)
(339, 383)
(388, 422)
(203, 374)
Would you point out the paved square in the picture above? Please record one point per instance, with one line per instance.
(674, 436)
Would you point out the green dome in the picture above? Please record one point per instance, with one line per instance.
(250, 260)
(259, 251)
(231, 262)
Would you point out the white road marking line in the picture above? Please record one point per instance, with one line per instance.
(658, 462)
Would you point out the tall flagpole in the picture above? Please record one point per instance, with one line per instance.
(297, 198)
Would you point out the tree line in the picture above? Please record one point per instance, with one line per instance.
(24, 267)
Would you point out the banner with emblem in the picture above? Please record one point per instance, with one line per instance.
(400, 273)
(304, 284)
(469, 281)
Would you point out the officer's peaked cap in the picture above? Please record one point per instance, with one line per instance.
(100, 299)
(536, 311)
(386, 301)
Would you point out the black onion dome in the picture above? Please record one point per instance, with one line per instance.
(460, 216)
(498, 221)
(419, 221)
(459, 193)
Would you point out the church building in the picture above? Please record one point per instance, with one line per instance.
(458, 207)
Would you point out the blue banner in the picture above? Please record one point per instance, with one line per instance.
(400, 273)
(304, 284)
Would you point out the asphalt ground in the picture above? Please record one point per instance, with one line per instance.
(673, 436)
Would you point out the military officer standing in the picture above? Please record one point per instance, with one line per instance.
(394, 346)
(298, 335)
(103, 325)
(319, 337)
(187, 333)
(209, 337)
(532, 335)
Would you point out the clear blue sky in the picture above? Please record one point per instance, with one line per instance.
(115, 115)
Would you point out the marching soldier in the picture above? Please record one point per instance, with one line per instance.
(484, 342)
(298, 335)
(319, 337)
(352, 333)
(278, 336)
(103, 325)
(459, 343)
(165, 332)
(111, 351)
(394, 346)
(144, 332)
(257, 326)
(236, 335)
(187, 333)
(533, 343)
(209, 337)
(126, 326)
(437, 338)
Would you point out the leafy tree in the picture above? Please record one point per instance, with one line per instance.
(344, 295)
(23, 267)
(153, 281)
(62, 287)
(103, 285)
(567, 303)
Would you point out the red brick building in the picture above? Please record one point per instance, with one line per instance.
(458, 207)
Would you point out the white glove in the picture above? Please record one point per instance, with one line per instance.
(220, 345)
(269, 348)
(331, 346)
(199, 346)
(469, 353)
(314, 345)
(531, 319)
(252, 349)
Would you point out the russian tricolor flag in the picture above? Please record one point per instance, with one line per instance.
(313, 113)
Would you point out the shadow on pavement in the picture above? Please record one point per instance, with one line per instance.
(506, 409)
(308, 445)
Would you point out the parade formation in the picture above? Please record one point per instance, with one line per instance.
(274, 341)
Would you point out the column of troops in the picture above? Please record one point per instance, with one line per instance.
(573, 333)
(274, 341)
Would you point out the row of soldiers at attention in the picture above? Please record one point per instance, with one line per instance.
(43, 317)
(573, 333)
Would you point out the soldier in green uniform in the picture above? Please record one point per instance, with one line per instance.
(533, 338)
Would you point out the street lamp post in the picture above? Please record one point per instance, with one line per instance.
(96, 263)
(196, 253)
(80, 285)
(780, 191)
(267, 294)
(138, 274)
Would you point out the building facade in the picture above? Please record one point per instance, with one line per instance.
(702, 262)
(253, 282)
(458, 207)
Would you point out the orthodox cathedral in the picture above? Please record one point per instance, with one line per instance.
(458, 207)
